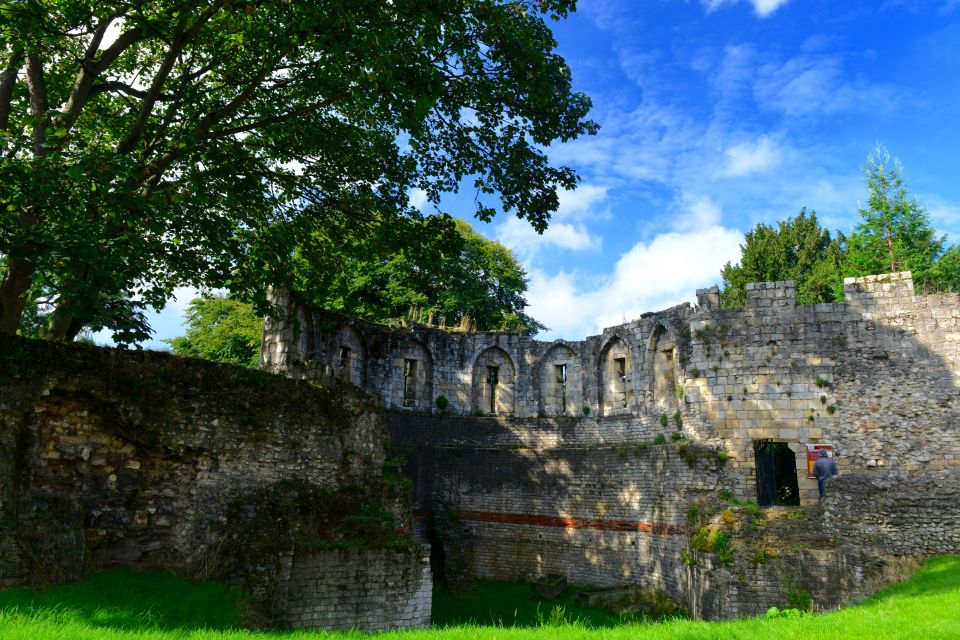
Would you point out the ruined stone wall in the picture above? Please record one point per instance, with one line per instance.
(604, 514)
(145, 459)
(609, 374)
(876, 376)
(544, 488)
(366, 589)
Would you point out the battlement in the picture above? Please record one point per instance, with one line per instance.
(780, 293)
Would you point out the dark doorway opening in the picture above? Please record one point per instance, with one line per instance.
(776, 474)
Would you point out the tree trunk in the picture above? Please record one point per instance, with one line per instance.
(63, 326)
(13, 293)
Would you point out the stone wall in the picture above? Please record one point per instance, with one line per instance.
(146, 459)
(876, 376)
(567, 477)
(366, 589)
(604, 514)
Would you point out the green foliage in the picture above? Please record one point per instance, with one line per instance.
(442, 403)
(120, 599)
(137, 610)
(439, 265)
(797, 249)
(660, 439)
(894, 232)
(250, 128)
(676, 436)
(585, 409)
(678, 419)
(664, 420)
(221, 329)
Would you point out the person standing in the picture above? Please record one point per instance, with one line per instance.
(825, 467)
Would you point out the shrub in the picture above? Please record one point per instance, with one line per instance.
(586, 410)
(660, 439)
(442, 403)
(663, 420)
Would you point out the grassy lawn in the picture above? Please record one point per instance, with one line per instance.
(119, 605)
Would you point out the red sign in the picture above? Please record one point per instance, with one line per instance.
(813, 454)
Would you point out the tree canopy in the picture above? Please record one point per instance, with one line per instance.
(797, 249)
(221, 329)
(145, 146)
(893, 234)
(446, 278)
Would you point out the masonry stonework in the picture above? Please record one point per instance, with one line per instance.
(587, 456)
(145, 460)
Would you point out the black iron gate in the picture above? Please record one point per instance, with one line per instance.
(765, 457)
(776, 473)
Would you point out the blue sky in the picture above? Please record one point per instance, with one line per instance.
(716, 115)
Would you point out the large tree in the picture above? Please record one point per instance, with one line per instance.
(221, 329)
(448, 278)
(145, 146)
(797, 249)
(894, 232)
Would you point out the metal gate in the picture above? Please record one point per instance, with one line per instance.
(765, 456)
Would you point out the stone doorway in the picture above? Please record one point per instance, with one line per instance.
(776, 466)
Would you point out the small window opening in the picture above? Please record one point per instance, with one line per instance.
(493, 379)
(668, 353)
(344, 359)
(409, 382)
(620, 367)
(561, 370)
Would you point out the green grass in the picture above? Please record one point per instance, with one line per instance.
(512, 604)
(119, 605)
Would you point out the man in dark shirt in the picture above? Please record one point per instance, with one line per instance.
(825, 467)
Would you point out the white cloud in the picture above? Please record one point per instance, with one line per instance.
(748, 158)
(762, 8)
(817, 85)
(650, 276)
(418, 198)
(567, 228)
(519, 235)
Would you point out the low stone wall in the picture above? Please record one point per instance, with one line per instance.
(145, 459)
(606, 514)
(896, 513)
(365, 589)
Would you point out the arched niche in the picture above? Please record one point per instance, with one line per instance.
(304, 335)
(349, 357)
(616, 377)
(494, 380)
(662, 359)
(561, 382)
(413, 376)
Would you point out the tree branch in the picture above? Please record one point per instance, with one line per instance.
(38, 103)
(8, 80)
(182, 36)
(123, 87)
(90, 68)
(259, 124)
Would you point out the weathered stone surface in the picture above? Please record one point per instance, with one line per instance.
(145, 459)
(542, 489)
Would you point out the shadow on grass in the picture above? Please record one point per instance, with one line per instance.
(122, 599)
(514, 604)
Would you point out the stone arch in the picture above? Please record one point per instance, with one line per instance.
(304, 334)
(560, 376)
(494, 382)
(349, 357)
(413, 376)
(615, 374)
(661, 368)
